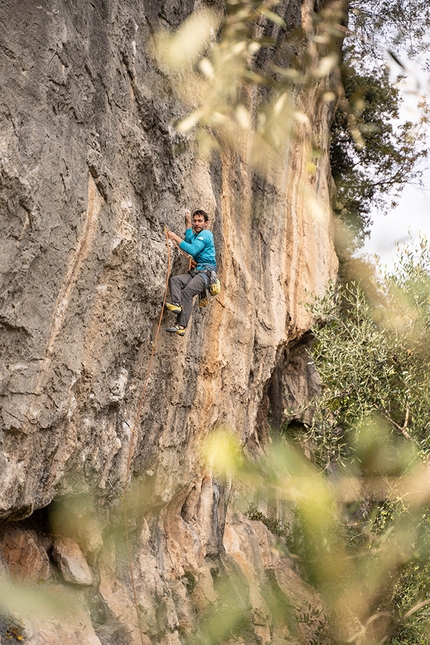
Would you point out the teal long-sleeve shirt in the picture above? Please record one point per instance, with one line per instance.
(201, 247)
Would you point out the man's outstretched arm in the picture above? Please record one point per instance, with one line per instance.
(192, 249)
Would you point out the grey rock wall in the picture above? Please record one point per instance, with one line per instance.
(91, 170)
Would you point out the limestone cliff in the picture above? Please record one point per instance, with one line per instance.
(91, 170)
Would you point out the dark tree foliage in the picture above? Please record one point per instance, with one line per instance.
(373, 154)
(401, 26)
(372, 176)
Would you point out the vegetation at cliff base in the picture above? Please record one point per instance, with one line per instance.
(360, 497)
(372, 423)
(372, 354)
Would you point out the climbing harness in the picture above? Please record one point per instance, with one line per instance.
(212, 280)
(214, 284)
(214, 287)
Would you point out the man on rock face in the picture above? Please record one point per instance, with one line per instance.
(199, 243)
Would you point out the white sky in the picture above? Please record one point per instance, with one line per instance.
(412, 215)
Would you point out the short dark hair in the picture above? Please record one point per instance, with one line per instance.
(199, 211)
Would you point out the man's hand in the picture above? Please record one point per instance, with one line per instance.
(174, 237)
(187, 219)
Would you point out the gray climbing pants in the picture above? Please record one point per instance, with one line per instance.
(183, 288)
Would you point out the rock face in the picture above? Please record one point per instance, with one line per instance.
(27, 559)
(91, 170)
(71, 562)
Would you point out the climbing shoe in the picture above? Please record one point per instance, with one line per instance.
(173, 306)
(177, 329)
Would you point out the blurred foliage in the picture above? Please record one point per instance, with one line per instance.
(241, 97)
(373, 418)
(357, 579)
(245, 73)
(274, 525)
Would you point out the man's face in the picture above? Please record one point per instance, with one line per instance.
(199, 223)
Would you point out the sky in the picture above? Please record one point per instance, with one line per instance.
(412, 215)
(410, 218)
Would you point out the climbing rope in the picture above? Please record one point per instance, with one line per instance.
(133, 430)
(191, 262)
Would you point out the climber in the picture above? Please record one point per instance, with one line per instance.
(199, 243)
